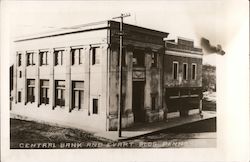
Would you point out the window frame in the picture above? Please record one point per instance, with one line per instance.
(137, 56)
(57, 61)
(19, 96)
(95, 100)
(185, 77)
(30, 61)
(19, 55)
(62, 91)
(74, 58)
(80, 91)
(96, 57)
(194, 74)
(42, 87)
(41, 54)
(177, 70)
(30, 87)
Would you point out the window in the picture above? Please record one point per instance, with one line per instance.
(44, 58)
(31, 90)
(185, 71)
(175, 70)
(20, 74)
(96, 55)
(44, 90)
(77, 95)
(193, 71)
(30, 59)
(19, 96)
(77, 56)
(59, 57)
(138, 58)
(95, 106)
(154, 59)
(60, 93)
(153, 101)
(19, 59)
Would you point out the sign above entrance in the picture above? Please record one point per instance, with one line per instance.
(139, 75)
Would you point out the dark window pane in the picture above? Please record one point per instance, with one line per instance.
(193, 72)
(175, 70)
(95, 106)
(19, 59)
(19, 96)
(96, 55)
(138, 58)
(185, 72)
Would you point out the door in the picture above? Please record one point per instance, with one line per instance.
(138, 101)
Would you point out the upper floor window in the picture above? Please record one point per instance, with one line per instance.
(77, 57)
(175, 70)
(154, 59)
(194, 71)
(59, 57)
(19, 59)
(185, 71)
(96, 55)
(44, 58)
(30, 58)
(138, 58)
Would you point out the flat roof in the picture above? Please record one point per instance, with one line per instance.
(85, 28)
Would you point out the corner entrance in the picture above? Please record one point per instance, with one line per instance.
(138, 101)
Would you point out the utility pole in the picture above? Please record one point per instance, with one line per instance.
(119, 128)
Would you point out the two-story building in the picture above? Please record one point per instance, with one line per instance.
(71, 76)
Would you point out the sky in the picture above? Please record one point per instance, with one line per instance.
(191, 19)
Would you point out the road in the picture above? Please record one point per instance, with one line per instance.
(33, 135)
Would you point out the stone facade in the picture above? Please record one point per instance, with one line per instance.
(81, 70)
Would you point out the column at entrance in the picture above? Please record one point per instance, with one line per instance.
(128, 117)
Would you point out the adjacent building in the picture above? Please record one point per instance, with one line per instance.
(71, 76)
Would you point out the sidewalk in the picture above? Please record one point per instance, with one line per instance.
(147, 128)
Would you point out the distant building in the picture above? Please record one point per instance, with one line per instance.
(71, 76)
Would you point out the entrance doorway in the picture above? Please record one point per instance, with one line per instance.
(138, 101)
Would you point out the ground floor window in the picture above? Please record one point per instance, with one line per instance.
(19, 96)
(95, 106)
(60, 93)
(31, 90)
(77, 94)
(44, 90)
